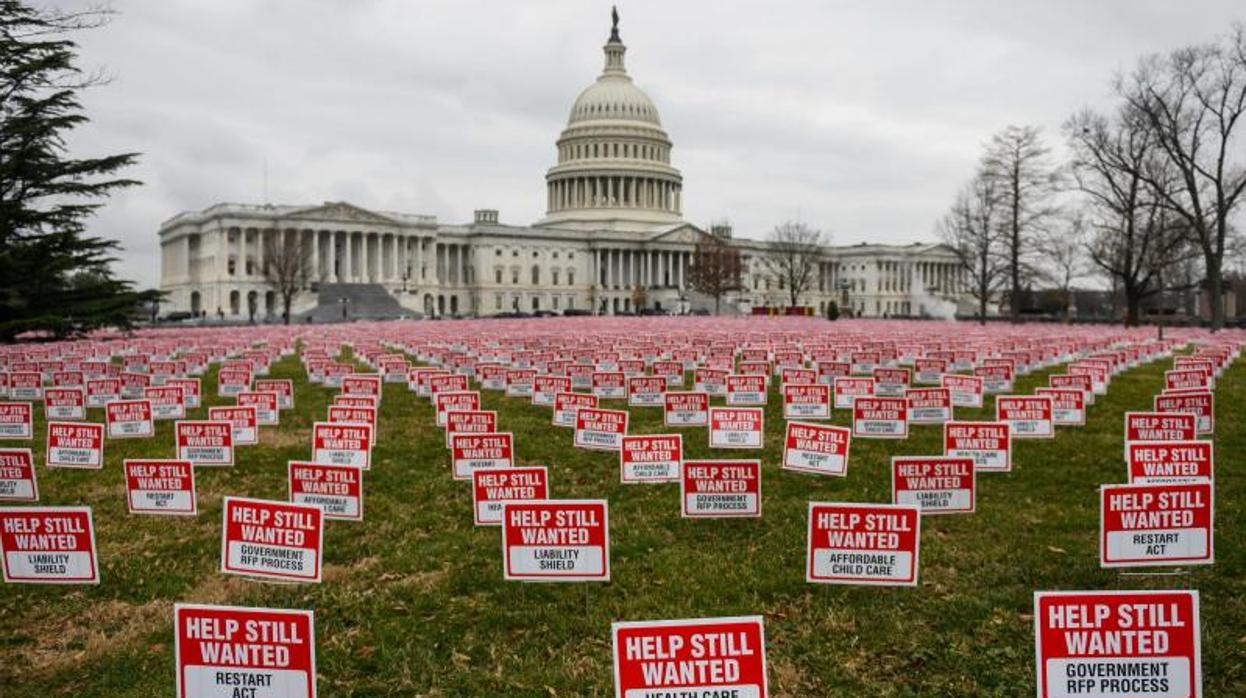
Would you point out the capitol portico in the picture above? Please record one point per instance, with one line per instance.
(613, 238)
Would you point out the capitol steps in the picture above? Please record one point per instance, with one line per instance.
(362, 302)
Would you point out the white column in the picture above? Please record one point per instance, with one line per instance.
(418, 270)
(315, 252)
(349, 251)
(330, 271)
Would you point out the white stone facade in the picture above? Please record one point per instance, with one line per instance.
(612, 237)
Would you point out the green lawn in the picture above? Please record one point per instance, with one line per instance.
(413, 600)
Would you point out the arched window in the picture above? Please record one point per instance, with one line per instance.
(570, 277)
(536, 274)
(497, 275)
(553, 279)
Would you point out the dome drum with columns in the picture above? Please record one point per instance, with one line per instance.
(613, 239)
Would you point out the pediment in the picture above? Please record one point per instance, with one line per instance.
(342, 212)
(683, 234)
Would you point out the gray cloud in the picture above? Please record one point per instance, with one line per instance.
(859, 117)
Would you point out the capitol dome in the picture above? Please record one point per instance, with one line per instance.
(613, 97)
(613, 170)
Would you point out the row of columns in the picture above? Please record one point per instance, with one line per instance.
(620, 268)
(942, 277)
(344, 256)
(615, 191)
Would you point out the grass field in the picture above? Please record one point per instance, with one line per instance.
(413, 601)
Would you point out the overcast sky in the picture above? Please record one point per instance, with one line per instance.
(862, 118)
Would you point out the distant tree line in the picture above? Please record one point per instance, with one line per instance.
(1150, 189)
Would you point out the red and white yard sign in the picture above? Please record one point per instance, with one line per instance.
(1117, 643)
(816, 448)
(746, 390)
(1159, 426)
(736, 427)
(272, 540)
(545, 389)
(806, 401)
(284, 387)
(492, 488)
(362, 385)
(227, 651)
(929, 405)
(129, 419)
(1186, 379)
(519, 382)
(966, 390)
(207, 442)
(17, 420)
(75, 445)
(342, 444)
(337, 489)
(880, 418)
(1163, 462)
(26, 385)
(567, 404)
(891, 382)
(17, 476)
(928, 370)
(696, 657)
(450, 400)
(267, 410)
(934, 484)
(610, 385)
(1068, 406)
(686, 409)
(875, 544)
(645, 391)
(1200, 403)
(996, 378)
(849, 388)
(601, 430)
(470, 422)
(190, 390)
(481, 451)
(156, 486)
(49, 545)
(721, 488)
(651, 458)
(1070, 381)
(231, 381)
(352, 414)
(556, 540)
(989, 444)
(1028, 416)
(242, 420)
(65, 403)
(167, 401)
(1149, 525)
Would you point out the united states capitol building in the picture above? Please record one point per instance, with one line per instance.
(613, 238)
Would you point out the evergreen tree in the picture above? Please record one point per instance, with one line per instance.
(54, 276)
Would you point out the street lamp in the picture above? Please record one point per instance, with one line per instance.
(342, 301)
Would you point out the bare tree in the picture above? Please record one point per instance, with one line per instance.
(793, 253)
(1062, 250)
(716, 269)
(1192, 101)
(287, 266)
(1018, 163)
(1134, 236)
(971, 229)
